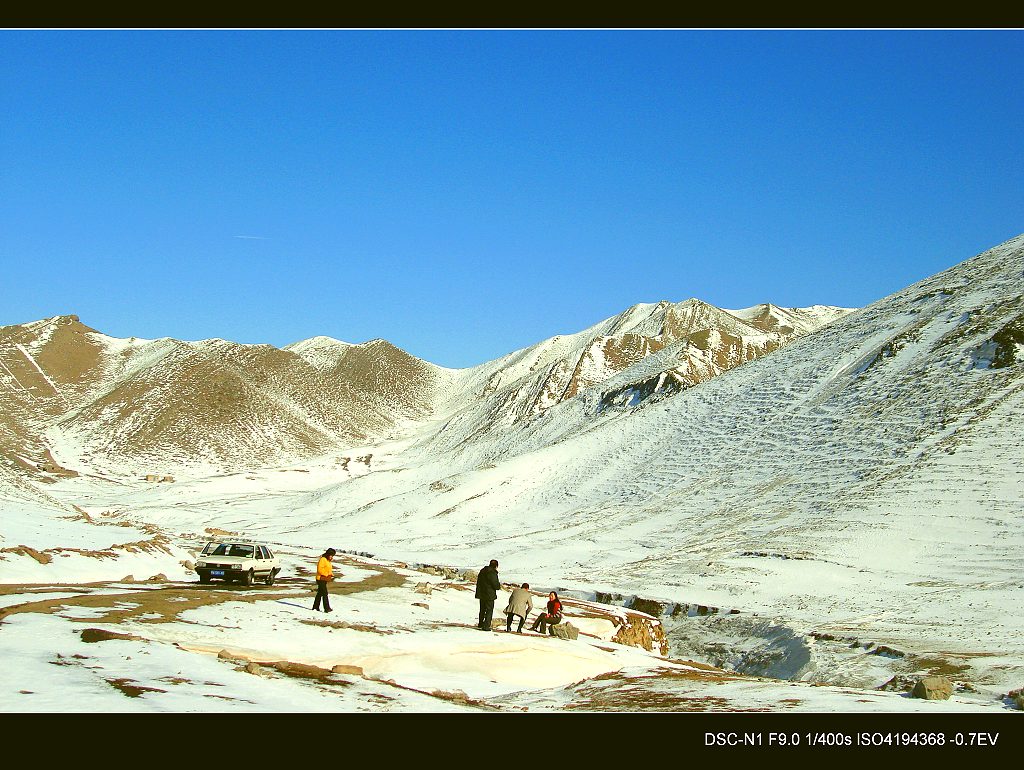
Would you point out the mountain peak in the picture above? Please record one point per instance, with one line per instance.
(320, 342)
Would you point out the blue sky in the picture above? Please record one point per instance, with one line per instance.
(464, 194)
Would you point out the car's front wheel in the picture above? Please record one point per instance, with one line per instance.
(204, 577)
(247, 578)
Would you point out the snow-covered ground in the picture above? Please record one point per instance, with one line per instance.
(386, 647)
(856, 495)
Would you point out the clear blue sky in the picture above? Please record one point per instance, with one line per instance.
(464, 194)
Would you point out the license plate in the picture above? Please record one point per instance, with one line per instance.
(217, 572)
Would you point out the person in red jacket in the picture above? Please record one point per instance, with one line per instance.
(552, 617)
(324, 574)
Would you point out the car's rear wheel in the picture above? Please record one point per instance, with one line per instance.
(247, 578)
(270, 578)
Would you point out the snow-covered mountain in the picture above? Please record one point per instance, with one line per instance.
(102, 402)
(105, 403)
(864, 480)
(861, 485)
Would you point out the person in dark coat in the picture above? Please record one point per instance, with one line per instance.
(487, 587)
(552, 617)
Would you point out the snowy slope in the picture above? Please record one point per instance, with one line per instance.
(397, 640)
(75, 400)
(859, 486)
(864, 481)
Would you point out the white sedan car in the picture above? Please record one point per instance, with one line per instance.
(237, 561)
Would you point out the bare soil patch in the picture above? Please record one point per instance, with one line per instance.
(167, 603)
(130, 689)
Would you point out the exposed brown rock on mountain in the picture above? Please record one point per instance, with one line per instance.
(213, 401)
(696, 340)
(105, 402)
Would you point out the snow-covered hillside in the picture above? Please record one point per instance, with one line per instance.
(856, 495)
(75, 400)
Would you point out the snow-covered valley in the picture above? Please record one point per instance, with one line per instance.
(841, 507)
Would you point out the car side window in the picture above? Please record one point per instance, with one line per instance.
(259, 552)
(270, 554)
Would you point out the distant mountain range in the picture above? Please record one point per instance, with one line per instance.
(101, 402)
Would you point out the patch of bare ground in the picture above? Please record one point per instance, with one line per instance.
(640, 699)
(160, 543)
(7, 589)
(93, 635)
(384, 578)
(303, 671)
(130, 689)
(216, 531)
(614, 691)
(376, 696)
(936, 666)
(336, 624)
(227, 697)
(175, 680)
(167, 603)
(24, 550)
(456, 696)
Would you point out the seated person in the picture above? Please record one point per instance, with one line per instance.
(552, 617)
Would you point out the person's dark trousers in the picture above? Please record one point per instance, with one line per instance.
(321, 595)
(544, 621)
(508, 623)
(486, 613)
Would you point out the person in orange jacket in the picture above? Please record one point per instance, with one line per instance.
(324, 574)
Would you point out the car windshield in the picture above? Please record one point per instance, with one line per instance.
(232, 549)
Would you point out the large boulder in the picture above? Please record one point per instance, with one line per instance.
(470, 575)
(423, 588)
(565, 630)
(642, 631)
(933, 688)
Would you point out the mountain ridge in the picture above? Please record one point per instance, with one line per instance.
(215, 403)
